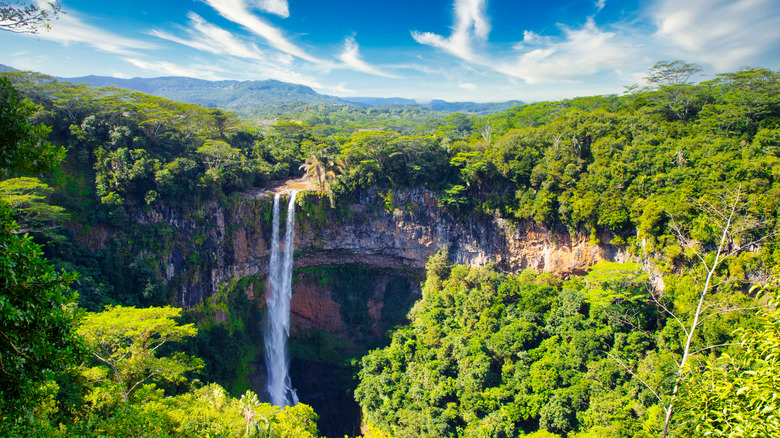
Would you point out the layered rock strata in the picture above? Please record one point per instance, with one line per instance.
(234, 240)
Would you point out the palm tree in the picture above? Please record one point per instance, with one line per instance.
(319, 167)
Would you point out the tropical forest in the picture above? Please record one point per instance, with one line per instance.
(602, 266)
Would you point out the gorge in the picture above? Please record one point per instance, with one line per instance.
(451, 277)
(357, 272)
(237, 239)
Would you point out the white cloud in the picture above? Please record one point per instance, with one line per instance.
(246, 61)
(278, 7)
(471, 25)
(600, 5)
(581, 53)
(235, 69)
(725, 33)
(575, 55)
(351, 57)
(238, 12)
(165, 68)
(468, 86)
(69, 29)
(209, 38)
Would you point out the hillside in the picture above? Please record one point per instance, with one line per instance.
(271, 98)
(436, 104)
(245, 96)
(579, 260)
(232, 95)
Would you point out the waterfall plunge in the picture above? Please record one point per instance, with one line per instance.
(278, 301)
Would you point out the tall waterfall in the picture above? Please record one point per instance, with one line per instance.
(279, 294)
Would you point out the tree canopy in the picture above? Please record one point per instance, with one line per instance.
(485, 353)
(126, 340)
(37, 307)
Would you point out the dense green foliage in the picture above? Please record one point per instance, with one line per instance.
(37, 325)
(37, 309)
(202, 412)
(621, 165)
(495, 355)
(736, 395)
(340, 120)
(101, 381)
(486, 353)
(142, 148)
(22, 146)
(125, 343)
(129, 388)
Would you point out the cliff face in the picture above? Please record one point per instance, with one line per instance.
(233, 241)
(358, 271)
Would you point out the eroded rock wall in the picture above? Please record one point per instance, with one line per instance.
(233, 240)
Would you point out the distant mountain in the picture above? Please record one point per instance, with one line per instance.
(437, 105)
(368, 102)
(245, 96)
(233, 95)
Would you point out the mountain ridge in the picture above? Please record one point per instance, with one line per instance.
(228, 94)
(244, 95)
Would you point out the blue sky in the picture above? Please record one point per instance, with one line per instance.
(476, 50)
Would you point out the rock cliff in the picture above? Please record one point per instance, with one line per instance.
(233, 239)
(358, 271)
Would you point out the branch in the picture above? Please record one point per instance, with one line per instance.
(711, 347)
(14, 346)
(732, 309)
(624, 318)
(152, 374)
(633, 374)
(669, 312)
(697, 313)
(26, 19)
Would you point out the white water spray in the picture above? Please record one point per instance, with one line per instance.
(278, 300)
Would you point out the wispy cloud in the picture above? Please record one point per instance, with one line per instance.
(278, 7)
(579, 53)
(351, 57)
(165, 68)
(575, 54)
(206, 37)
(471, 24)
(238, 11)
(236, 69)
(70, 28)
(246, 57)
(724, 33)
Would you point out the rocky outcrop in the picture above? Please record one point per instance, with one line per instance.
(340, 312)
(313, 308)
(233, 241)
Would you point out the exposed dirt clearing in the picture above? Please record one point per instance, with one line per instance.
(283, 185)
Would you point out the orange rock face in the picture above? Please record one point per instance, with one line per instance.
(235, 242)
(313, 308)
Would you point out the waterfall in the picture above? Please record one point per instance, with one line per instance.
(278, 301)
